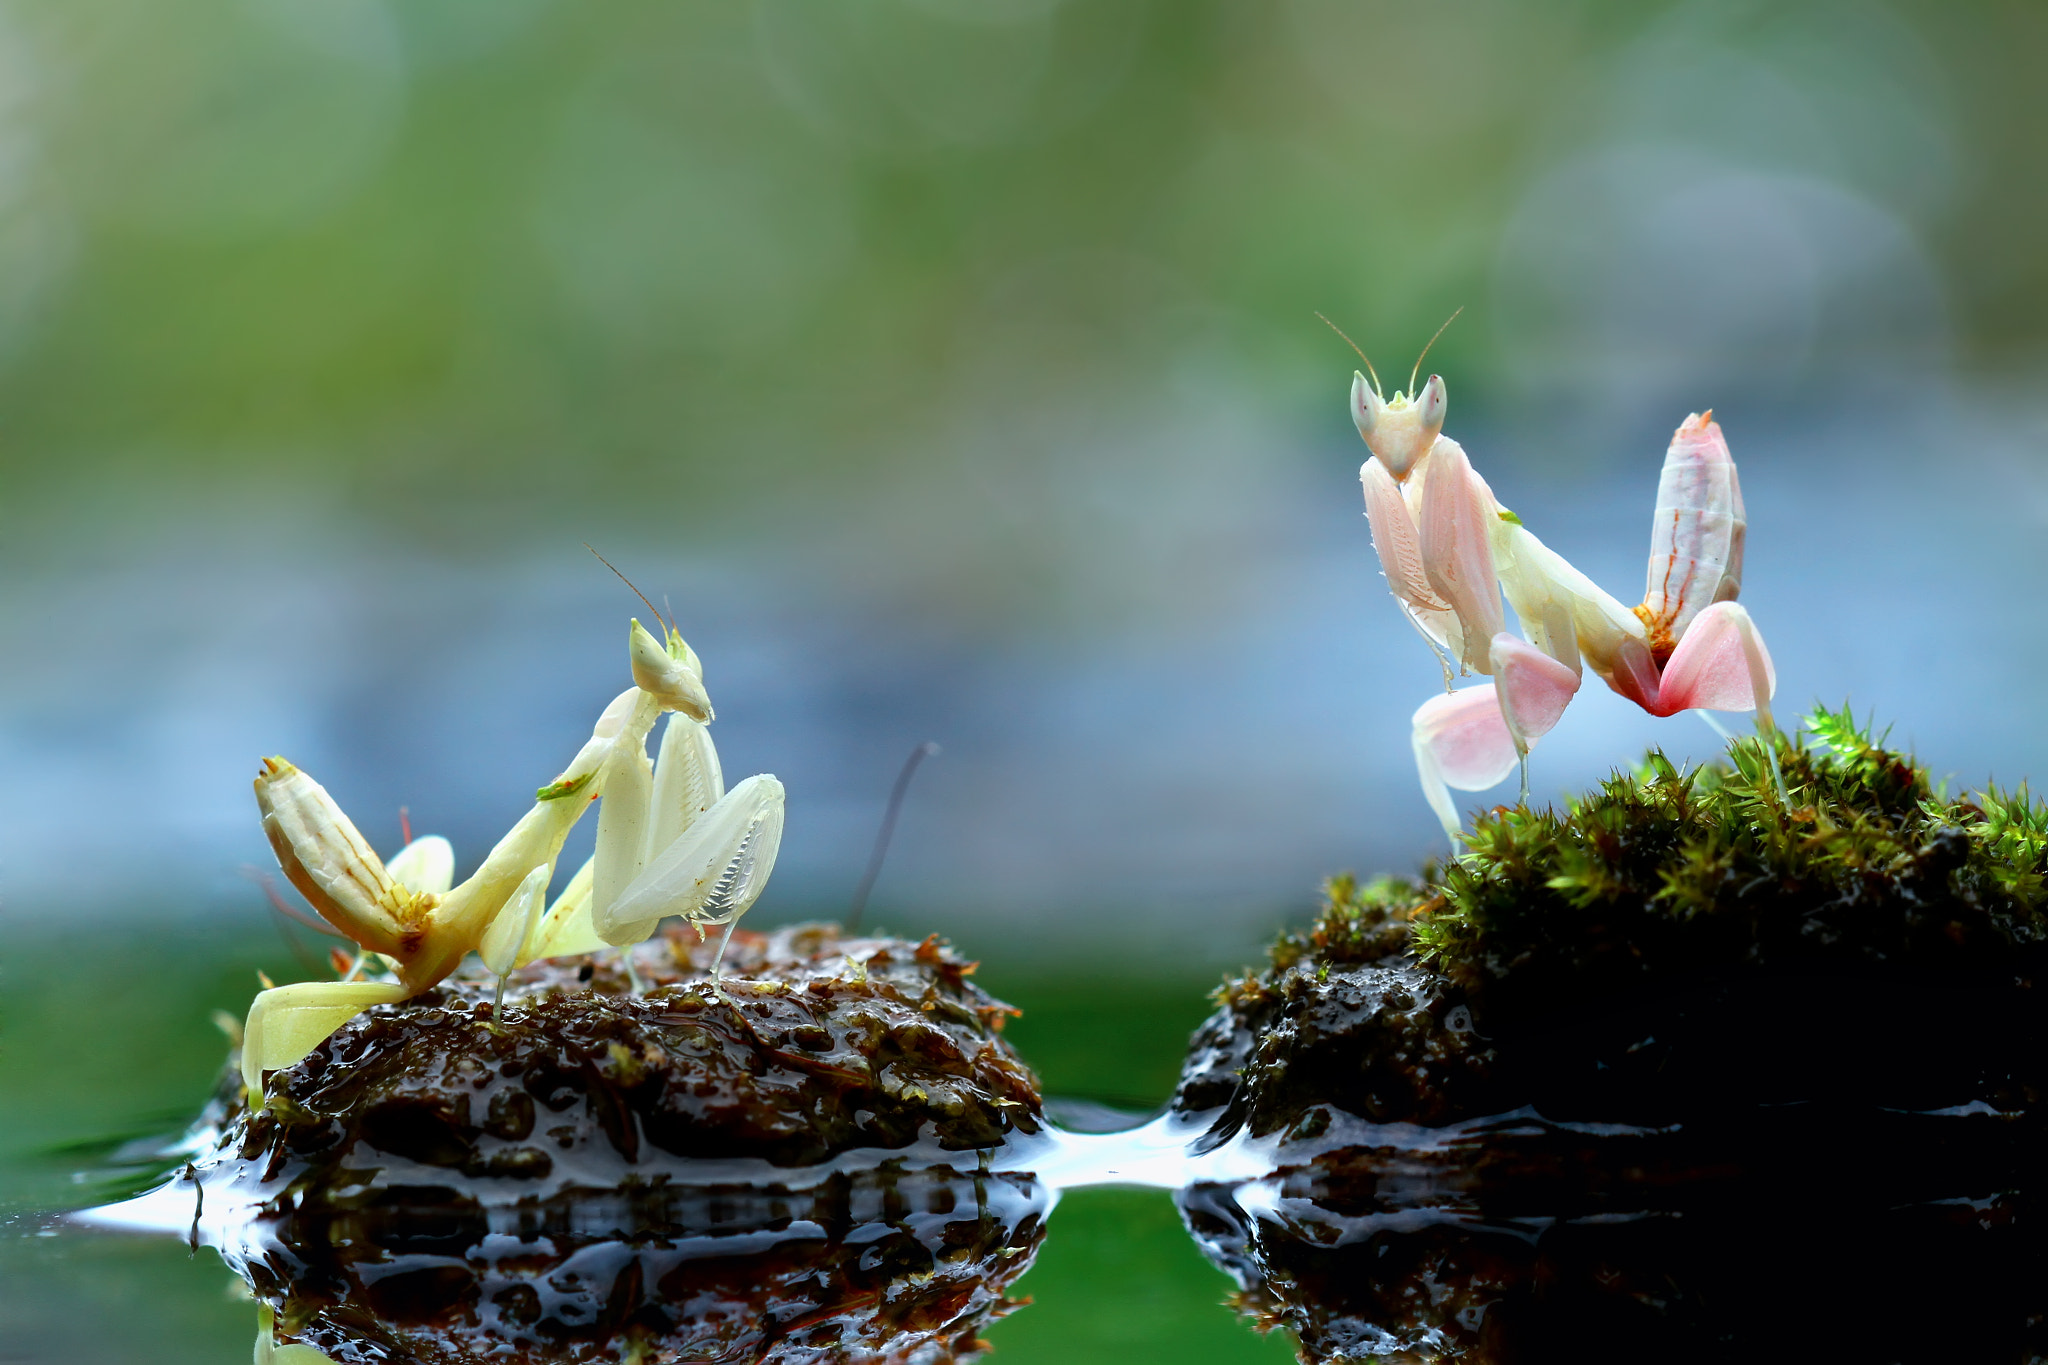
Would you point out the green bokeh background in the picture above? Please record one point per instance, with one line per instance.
(883, 287)
(455, 266)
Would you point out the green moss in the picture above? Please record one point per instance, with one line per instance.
(1666, 873)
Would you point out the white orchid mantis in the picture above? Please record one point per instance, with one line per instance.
(1450, 551)
(671, 841)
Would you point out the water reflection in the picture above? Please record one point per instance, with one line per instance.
(845, 1160)
(1510, 1238)
(1791, 1268)
(886, 1263)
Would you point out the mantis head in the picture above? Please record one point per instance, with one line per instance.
(670, 672)
(1399, 430)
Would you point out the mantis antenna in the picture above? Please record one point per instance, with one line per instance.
(665, 622)
(1412, 374)
(1361, 354)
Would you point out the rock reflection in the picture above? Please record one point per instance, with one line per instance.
(633, 1165)
(1362, 1258)
(888, 1263)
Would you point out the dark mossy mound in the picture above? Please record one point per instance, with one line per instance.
(1689, 1071)
(1676, 943)
(821, 1046)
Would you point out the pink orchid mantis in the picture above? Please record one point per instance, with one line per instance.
(1450, 552)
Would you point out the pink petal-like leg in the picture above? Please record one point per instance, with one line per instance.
(1720, 665)
(1400, 549)
(1534, 690)
(1456, 521)
(1633, 674)
(1461, 740)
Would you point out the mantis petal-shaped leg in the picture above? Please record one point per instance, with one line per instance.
(1719, 665)
(426, 865)
(1534, 689)
(1400, 549)
(1632, 673)
(1461, 740)
(647, 809)
(505, 940)
(712, 874)
(622, 821)
(687, 782)
(287, 1022)
(566, 929)
(1456, 523)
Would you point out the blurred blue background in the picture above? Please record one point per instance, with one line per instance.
(951, 367)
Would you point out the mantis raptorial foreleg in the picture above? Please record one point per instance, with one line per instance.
(1449, 550)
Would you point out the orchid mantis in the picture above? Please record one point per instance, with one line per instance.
(1450, 553)
(671, 841)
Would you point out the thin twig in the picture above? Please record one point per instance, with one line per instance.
(926, 750)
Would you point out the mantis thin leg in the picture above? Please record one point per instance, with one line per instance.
(718, 958)
(1727, 735)
(1523, 761)
(1768, 733)
(1760, 687)
(1443, 660)
(1765, 733)
(632, 975)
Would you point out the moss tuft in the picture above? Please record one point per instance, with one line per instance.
(1668, 874)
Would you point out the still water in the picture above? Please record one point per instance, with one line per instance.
(84, 1068)
(1510, 1237)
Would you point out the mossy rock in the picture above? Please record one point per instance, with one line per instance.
(1699, 1069)
(820, 1046)
(794, 1169)
(1676, 942)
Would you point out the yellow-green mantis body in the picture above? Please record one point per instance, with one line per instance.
(671, 841)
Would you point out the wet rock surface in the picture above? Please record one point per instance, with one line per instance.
(795, 1169)
(820, 1046)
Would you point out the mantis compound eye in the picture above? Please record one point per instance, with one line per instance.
(1432, 402)
(1366, 407)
